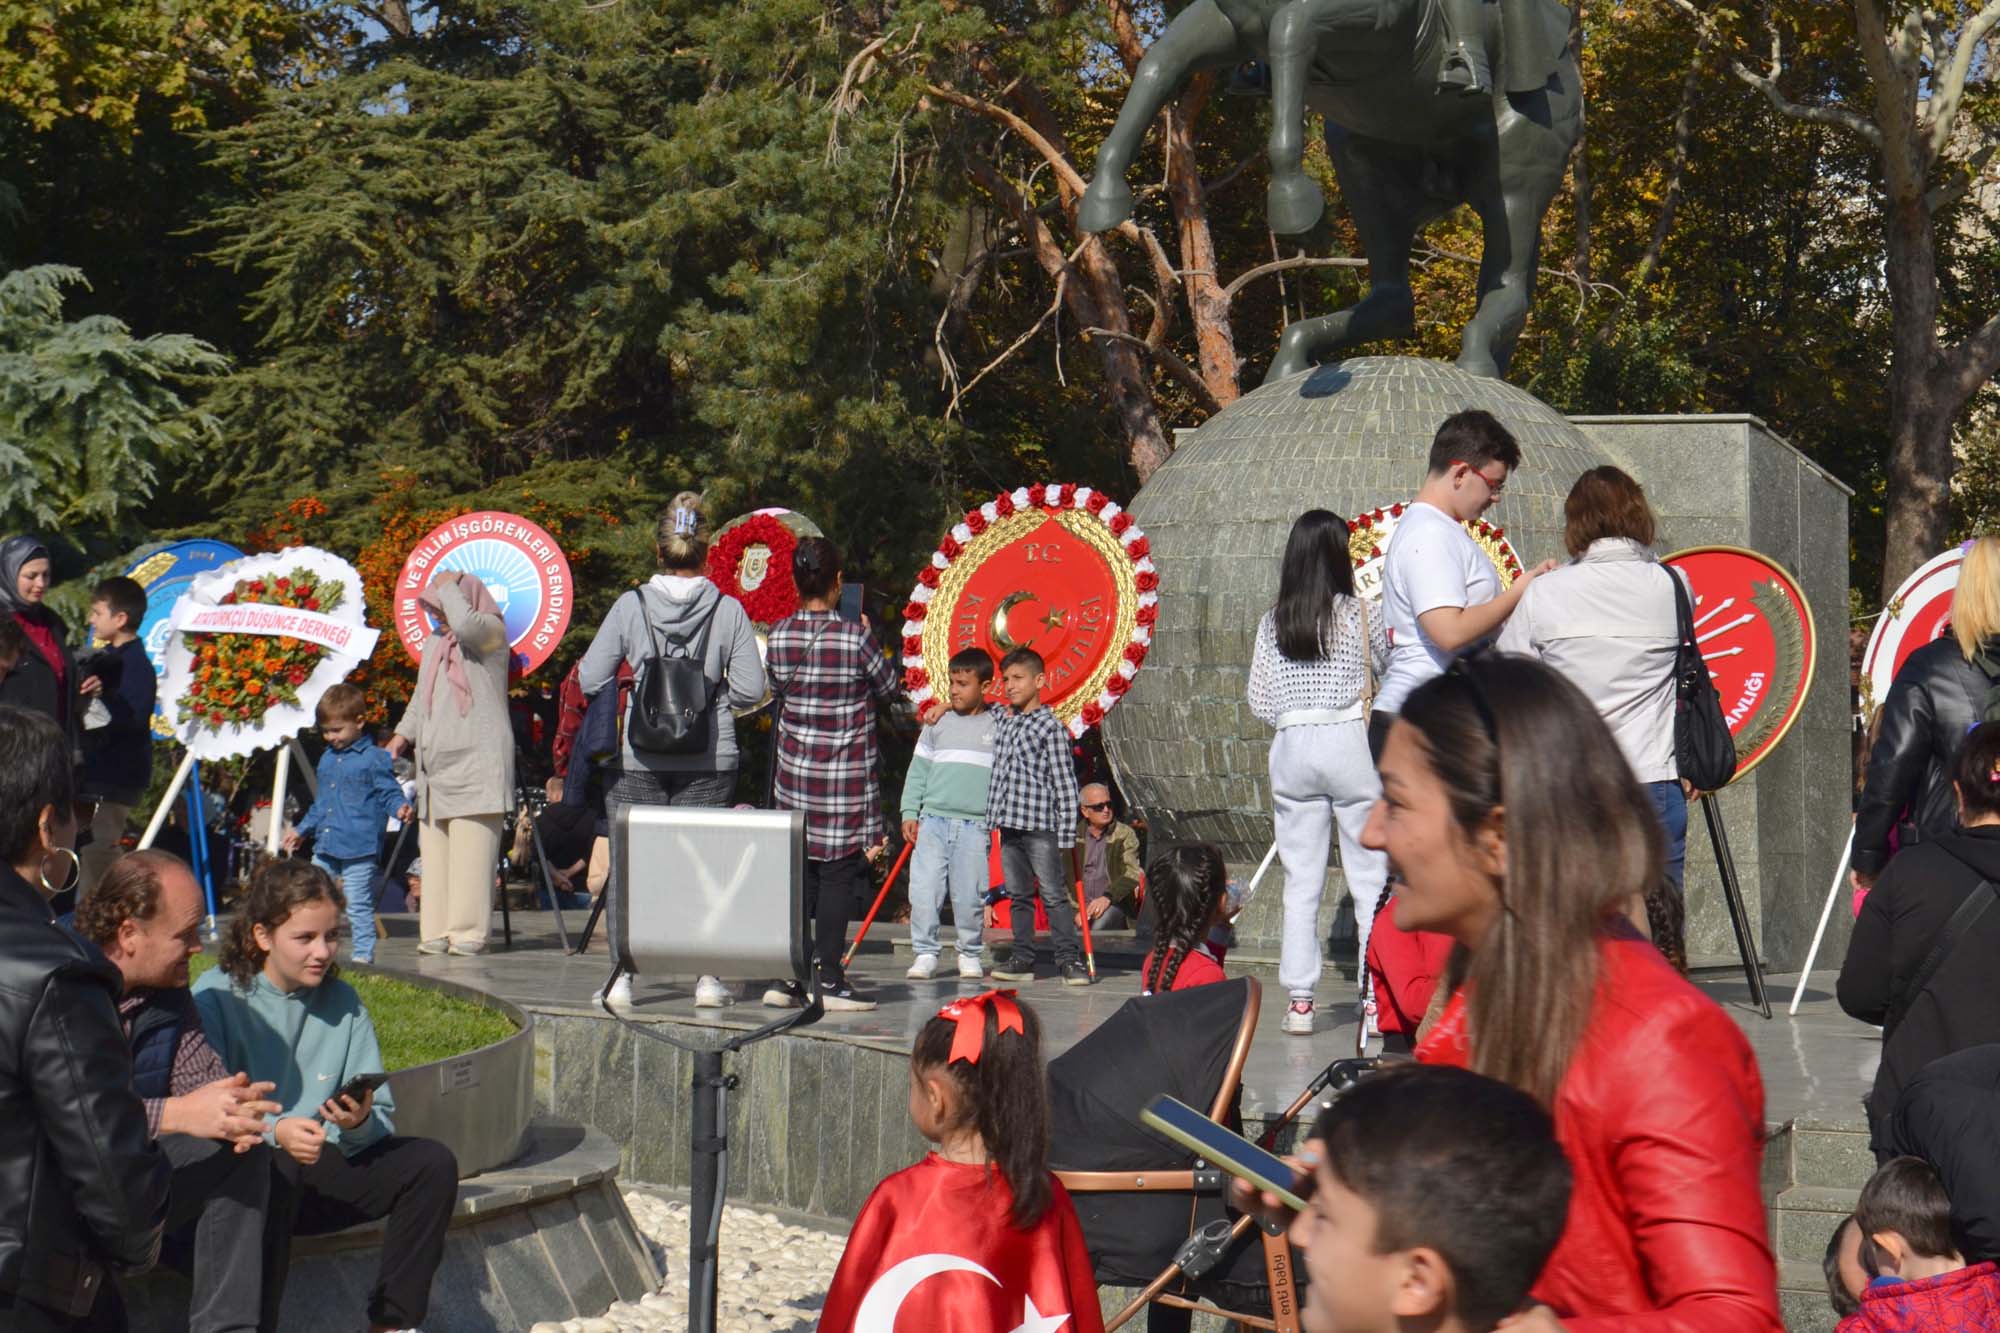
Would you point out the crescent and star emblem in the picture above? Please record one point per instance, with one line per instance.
(879, 1307)
(1057, 618)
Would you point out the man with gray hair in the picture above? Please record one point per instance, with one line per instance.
(1108, 858)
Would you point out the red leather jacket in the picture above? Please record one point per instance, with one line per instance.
(1662, 1118)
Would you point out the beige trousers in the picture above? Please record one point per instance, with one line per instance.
(461, 858)
(104, 850)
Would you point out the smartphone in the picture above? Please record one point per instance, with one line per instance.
(1232, 1152)
(360, 1086)
(851, 601)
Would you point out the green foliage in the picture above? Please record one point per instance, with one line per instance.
(88, 412)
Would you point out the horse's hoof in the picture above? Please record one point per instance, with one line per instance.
(1286, 364)
(1480, 363)
(1106, 203)
(1295, 204)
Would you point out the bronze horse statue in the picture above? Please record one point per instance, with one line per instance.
(1405, 150)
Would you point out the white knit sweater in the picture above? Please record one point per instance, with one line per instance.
(1279, 685)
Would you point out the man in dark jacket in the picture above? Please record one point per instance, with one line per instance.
(1902, 921)
(1949, 1115)
(146, 915)
(83, 1189)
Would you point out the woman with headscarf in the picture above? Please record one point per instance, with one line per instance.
(464, 746)
(45, 679)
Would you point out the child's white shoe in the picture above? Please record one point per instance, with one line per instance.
(924, 968)
(971, 967)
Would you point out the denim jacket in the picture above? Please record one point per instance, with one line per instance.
(358, 792)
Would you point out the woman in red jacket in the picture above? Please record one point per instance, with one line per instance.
(1517, 828)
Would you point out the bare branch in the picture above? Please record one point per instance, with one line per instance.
(1055, 307)
(1964, 176)
(1181, 371)
(1976, 357)
(1585, 289)
(1767, 83)
(1683, 136)
(850, 78)
(1948, 84)
(1280, 265)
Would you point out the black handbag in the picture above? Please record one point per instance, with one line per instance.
(1704, 751)
(673, 697)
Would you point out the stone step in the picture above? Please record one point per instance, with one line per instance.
(1804, 1218)
(1835, 1156)
(1802, 1299)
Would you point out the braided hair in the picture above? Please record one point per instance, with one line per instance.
(1184, 886)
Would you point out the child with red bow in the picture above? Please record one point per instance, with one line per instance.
(978, 1237)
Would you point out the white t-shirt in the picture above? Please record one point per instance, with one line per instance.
(1432, 562)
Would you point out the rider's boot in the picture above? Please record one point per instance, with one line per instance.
(1466, 68)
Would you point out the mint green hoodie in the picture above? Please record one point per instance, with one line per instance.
(309, 1043)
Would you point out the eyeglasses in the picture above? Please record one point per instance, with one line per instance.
(1098, 805)
(1495, 488)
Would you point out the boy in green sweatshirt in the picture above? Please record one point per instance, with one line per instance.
(944, 819)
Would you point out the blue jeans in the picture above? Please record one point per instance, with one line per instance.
(951, 854)
(356, 877)
(1671, 804)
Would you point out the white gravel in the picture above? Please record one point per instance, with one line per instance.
(773, 1280)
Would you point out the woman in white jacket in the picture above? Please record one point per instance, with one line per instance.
(1312, 676)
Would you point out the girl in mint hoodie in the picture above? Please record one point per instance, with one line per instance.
(276, 1009)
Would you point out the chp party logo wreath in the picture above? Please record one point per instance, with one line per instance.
(1058, 568)
(254, 644)
(760, 579)
(1368, 543)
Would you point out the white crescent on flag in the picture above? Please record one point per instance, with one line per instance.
(886, 1296)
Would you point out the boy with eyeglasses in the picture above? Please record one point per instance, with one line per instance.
(1440, 591)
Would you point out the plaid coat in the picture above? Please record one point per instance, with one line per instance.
(822, 671)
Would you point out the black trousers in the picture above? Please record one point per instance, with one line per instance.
(411, 1182)
(1379, 723)
(220, 1233)
(835, 890)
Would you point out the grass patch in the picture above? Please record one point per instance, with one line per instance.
(415, 1025)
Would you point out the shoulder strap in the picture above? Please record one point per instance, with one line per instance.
(778, 691)
(1367, 659)
(1962, 920)
(1683, 610)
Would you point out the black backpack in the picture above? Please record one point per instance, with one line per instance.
(1704, 751)
(673, 696)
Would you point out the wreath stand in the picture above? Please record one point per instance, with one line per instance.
(190, 767)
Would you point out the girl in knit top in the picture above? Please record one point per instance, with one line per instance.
(275, 1008)
(1189, 892)
(1312, 676)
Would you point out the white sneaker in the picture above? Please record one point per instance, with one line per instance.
(619, 998)
(1299, 1017)
(710, 993)
(924, 968)
(971, 967)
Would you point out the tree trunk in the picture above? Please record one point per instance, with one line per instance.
(1924, 398)
(1208, 308)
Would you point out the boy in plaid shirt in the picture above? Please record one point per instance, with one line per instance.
(1030, 801)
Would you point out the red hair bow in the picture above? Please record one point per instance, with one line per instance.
(969, 1041)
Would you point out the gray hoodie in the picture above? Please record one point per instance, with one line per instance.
(639, 625)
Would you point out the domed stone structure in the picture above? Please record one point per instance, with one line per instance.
(1346, 437)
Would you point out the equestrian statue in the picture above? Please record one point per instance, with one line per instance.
(1428, 104)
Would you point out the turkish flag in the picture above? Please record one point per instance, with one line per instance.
(933, 1252)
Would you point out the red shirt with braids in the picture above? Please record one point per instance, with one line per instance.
(1198, 967)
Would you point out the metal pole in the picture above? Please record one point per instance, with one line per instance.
(174, 786)
(198, 845)
(276, 833)
(1819, 934)
(1262, 866)
(706, 1144)
(1739, 917)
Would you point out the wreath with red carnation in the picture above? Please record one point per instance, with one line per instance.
(240, 677)
(1368, 540)
(775, 596)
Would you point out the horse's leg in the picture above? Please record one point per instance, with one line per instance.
(1381, 186)
(1510, 200)
(1200, 38)
(1293, 199)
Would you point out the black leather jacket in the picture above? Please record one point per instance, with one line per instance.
(83, 1189)
(1935, 700)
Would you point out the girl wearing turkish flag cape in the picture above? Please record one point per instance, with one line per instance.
(978, 1237)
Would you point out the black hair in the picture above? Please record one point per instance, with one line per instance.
(1026, 657)
(278, 889)
(124, 597)
(35, 774)
(815, 567)
(1184, 885)
(1475, 438)
(1005, 1096)
(1976, 774)
(1459, 1163)
(1904, 1196)
(1317, 570)
(1844, 1302)
(976, 660)
(13, 642)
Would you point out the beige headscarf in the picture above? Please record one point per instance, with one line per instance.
(450, 662)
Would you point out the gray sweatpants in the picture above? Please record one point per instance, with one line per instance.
(1321, 778)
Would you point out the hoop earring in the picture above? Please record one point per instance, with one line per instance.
(70, 880)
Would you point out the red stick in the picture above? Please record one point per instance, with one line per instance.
(1083, 913)
(869, 920)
